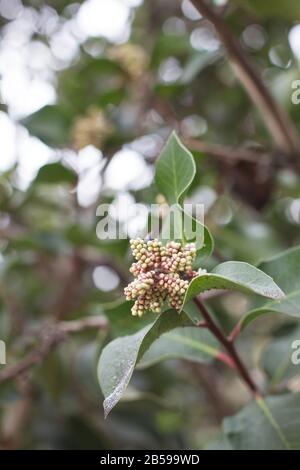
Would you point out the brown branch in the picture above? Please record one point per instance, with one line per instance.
(276, 120)
(15, 416)
(50, 336)
(69, 283)
(228, 345)
(89, 323)
(225, 153)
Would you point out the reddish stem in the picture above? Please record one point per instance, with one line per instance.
(236, 330)
(202, 324)
(223, 357)
(228, 345)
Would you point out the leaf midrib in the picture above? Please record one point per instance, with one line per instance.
(195, 344)
(263, 407)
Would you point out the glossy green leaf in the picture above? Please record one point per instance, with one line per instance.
(121, 321)
(119, 358)
(285, 270)
(235, 275)
(272, 423)
(175, 170)
(183, 227)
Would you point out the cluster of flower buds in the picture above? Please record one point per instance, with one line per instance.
(131, 57)
(161, 272)
(93, 128)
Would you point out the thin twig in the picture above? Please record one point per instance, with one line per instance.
(50, 336)
(225, 153)
(228, 345)
(276, 120)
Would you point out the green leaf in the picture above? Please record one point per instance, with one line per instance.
(175, 170)
(290, 9)
(272, 423)
(198, 233)
(276, 357)
(55, 173)
(285, 270)
(101, 65)
(167, 45)
(169, 90)
(121, 321)
(197, 63)
(181, 226)
(220, 444)
(235, 275)
(119, 358)
(190, 343)
(51, 124)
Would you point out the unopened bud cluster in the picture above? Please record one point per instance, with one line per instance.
(161, 272)
(93, 128)
(131, 57)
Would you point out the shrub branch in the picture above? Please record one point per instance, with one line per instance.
(50, 336)
(276, 120)
(228, 345)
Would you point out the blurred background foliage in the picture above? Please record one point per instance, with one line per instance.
(90, 91)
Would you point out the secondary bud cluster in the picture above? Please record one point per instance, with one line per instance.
(131, 57)
(93, 128)
(161, 272)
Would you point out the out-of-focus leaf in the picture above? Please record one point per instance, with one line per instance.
(169, 90)
(248, 240)
(190, 343)
(170, 45)
(276, 359)
(235, 275)
(272, 423)
(119, 358)
(53, 243)
(55, 173)
(220, 444)
(51, 124)
(101, 65)
(290, 9)
(285, 270)
(86, 236)
(197, 63)
(114, 96)
(91, 82)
